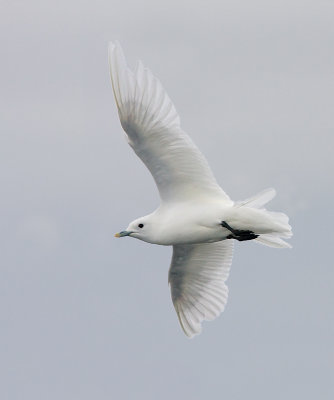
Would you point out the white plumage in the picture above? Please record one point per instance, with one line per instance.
(197, 277)
(196, 216)
(153, 127)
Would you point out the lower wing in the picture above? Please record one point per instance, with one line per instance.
(197, 278)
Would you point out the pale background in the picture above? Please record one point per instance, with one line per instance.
(86, 316)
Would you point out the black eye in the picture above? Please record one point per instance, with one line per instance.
(141, 226)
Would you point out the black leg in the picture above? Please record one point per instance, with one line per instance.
(239, 234)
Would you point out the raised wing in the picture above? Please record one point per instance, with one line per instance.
(153, 128)
(197, 278)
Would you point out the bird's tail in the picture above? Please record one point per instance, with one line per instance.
(279, 222)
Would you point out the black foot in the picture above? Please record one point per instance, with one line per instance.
(239, 234)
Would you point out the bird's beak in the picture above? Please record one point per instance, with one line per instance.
(123, 233)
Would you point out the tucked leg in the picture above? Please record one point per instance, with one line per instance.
(239, 234)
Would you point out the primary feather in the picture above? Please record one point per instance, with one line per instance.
(152, 124)
(197, 277)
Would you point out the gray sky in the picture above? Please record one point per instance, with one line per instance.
(86, 316)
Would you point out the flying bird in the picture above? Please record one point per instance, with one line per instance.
(195, 216)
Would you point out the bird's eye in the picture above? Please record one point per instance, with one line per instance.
(141, 226)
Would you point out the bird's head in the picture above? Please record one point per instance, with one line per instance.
(140, 228)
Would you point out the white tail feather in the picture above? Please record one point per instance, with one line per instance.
(272, 241)
(276, 224)
(259, 199)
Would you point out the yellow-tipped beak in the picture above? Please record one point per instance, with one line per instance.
(123, 233)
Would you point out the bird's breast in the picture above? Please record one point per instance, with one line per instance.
(190, 226)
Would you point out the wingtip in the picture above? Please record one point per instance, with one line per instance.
(114, 45)
(273, 190)
(189, 328)
(111, 49)
(111, 46)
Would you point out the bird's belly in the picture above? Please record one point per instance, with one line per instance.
(192, 236)
(191, 225)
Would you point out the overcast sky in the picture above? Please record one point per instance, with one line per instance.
(86, 316)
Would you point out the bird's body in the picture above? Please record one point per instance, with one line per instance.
(201, 222)
(195, 216)
(187, 224)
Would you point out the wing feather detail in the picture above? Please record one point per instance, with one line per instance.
(197, 278)
(152, 125)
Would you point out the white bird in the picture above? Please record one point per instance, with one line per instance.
(195, 216)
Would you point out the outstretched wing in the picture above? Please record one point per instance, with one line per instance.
(153, 128)
(197, 278)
